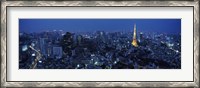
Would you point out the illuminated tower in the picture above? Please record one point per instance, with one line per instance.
(134, 43)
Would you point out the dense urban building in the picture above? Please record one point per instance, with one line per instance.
(99, 50)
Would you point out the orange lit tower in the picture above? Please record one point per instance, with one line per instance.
(134, 42)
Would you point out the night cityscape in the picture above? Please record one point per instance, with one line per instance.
(100, 44)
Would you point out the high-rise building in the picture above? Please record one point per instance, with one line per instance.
(141, 36)
(43, 46)
(134, 42)
(49, 50)
(67, 43)
(57, 52)
(79, 39)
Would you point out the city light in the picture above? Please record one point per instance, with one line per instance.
(124, 48)
(24, 48)
(33, 54)
(40, 61)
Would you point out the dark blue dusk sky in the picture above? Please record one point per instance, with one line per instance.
(110, 25)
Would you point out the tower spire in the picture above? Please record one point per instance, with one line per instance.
(134, 42)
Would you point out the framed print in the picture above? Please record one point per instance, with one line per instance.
(100, 44)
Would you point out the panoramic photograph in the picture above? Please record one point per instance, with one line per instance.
(99, 43)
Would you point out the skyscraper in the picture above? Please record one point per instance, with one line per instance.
(57, 52)
(134, 42)
(43, 46)
(67, 43)
(141, 36)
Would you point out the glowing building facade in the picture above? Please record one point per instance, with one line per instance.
(134, 42)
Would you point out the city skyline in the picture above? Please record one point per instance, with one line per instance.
(170, 26)
(129, 44)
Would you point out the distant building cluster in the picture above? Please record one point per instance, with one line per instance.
(99, 50)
